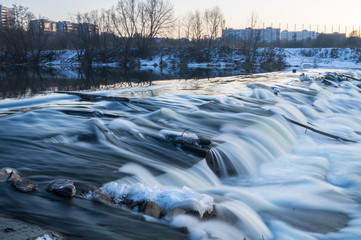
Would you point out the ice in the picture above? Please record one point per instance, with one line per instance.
(167, 198)
(45, 237)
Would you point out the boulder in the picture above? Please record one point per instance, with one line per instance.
(153, 209)
(174, 212)
(4, 173)
(25, 185)
(13, 177)
(102, 197)
(62, 187)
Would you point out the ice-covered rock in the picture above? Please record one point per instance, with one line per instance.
(167, 198)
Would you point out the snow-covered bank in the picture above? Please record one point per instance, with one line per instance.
(294, 57)
(323, 57)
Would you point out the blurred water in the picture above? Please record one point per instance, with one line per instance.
(269, 178)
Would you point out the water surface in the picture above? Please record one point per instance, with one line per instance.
(269, 178)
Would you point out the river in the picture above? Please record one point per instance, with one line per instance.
(263, 176)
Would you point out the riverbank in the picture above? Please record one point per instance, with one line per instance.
(230, 59)
(14, 229)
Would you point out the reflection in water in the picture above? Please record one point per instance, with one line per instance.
(20, 82)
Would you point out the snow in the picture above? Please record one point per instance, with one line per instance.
(45, 237)
(301, 58)
(322, 58)
(167, 198)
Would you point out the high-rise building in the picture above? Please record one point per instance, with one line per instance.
(3, 15)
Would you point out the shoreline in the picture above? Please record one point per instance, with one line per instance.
(11, 228)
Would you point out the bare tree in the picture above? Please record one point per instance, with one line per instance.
(251, 41)
(187, 25)
(196, 28)
(38, 40)
(87, 35)
(214, 22)
(156, 18)
(124, 19)
(14, 36)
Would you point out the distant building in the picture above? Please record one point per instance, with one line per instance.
(7, 17)
(43, 25)
(270, 34)
(267, 35)
(64, 26)
(3, 15)
(288, 36)
(86, 27)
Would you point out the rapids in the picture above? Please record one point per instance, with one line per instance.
(266, 177)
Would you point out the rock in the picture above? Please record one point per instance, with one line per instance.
(15, 229)
(174, 212)
(13, 177)
(102, 197)
(153, 209)
(62, 187)
(25, 185)
(4, 173)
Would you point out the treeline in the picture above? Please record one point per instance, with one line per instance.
(130, 30)
(129, 27)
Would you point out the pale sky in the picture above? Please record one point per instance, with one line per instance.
(304, 12)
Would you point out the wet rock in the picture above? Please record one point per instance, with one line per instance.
(102, 197)
(206, 216)
(174, 212)
(183, 230)
(62, 187)
(25, 186)
(4, 173)
(153, 209)
(13, 177)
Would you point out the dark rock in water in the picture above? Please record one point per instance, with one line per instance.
(183, 230)
(13, 177)
(204, 142)
(199, 151)
(102, 197)
(25, 185)
(88, 138)
(153, 209)
(62, 187)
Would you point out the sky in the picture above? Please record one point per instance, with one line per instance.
(306, 13)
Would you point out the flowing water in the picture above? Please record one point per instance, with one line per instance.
(263, 176)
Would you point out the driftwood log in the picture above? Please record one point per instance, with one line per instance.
(318, 131)
(96, 97)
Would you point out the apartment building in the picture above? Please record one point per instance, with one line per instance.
(294, 36)
(64, 26)
(267, 35)
(3, 15)
(43, 25)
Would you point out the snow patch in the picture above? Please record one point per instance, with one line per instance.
(168, 199)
